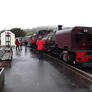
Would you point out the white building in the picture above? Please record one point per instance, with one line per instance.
(7, 38)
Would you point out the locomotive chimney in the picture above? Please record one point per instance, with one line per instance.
(59, 27)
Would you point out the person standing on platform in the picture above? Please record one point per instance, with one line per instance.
(25, 43)
(20, 44)
(32, 42)
(17, 44)
(40, 47)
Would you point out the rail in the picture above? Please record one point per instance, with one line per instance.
(82, 73)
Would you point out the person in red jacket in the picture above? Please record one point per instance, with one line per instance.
(32, 42)
(40, 47)
(17, 44)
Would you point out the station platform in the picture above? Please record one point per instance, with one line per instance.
(28, 74)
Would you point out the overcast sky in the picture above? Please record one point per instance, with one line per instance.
(34, 13)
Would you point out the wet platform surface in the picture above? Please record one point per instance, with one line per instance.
(28, 74)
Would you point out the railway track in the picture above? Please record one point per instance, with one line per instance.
(86, 74)
(87, 70)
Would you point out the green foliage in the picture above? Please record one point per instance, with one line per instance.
(2, 31)
(29, 33)
(18, 32)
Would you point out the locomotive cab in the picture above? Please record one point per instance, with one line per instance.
(81, 40)
(82, 45)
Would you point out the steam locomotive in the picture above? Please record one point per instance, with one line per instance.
(41, 33)
(72, 45)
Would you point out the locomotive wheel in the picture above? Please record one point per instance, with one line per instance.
(65, 58)
(60, 56)
(71, 59)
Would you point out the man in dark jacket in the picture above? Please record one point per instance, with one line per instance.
(25, 43)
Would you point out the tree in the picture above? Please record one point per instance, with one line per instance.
(18, 32)
(29, 33)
